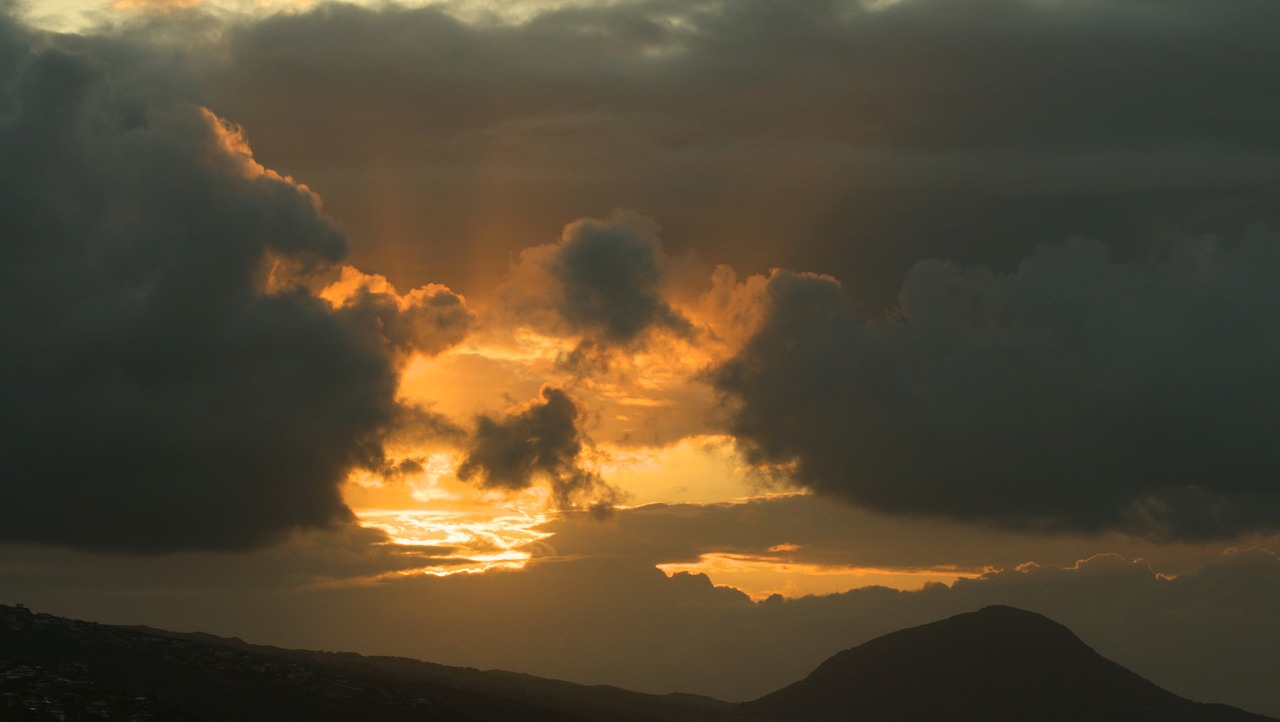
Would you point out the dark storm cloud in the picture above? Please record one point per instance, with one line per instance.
(538, 441)
(154, 395)
(1076, 393)
(868, 139)
(603, 281)
(610, 279)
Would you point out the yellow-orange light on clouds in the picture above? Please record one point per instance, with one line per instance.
(761, 576)
(233, 141)
(699, 469)
(352, 281)
(154, 6)
(479, 539)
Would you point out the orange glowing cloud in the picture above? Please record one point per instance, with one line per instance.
(762, 576)
(427, 320)
(234, 143)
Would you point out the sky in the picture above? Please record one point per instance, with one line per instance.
(668, 345)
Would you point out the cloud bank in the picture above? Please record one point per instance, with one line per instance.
(1075, 393)
(867, 137)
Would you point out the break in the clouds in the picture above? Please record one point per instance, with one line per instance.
(1078, 392)
(160, 390)
(532, 442)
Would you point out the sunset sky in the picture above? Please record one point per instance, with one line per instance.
(668, 344)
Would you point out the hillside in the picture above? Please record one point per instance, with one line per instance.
(995, 665)
(56, 668)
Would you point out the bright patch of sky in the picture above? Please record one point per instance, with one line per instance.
(76, 15)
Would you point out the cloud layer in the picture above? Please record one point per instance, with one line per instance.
(867, 137)
(1077, 392)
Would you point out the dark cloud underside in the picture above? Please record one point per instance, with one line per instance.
(1076, 393)
(867, 139)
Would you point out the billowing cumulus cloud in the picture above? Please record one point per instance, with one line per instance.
(157, 390)
(426, 320)
(537, 441)
(1077, 392)
(604, 281)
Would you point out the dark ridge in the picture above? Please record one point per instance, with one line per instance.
(995, 665)
(56, 668)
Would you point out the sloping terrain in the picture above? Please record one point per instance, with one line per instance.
(995, 665)
(55, 668)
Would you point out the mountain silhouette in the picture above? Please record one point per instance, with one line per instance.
(53, 668)
(994, 665)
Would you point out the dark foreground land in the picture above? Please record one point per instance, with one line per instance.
(993, 665)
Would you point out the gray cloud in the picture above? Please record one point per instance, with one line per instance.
(610, 278)
(809, 529)
(427, 320)
(349, 554)
(603, 281)
(868, 139)
(1076, 393)
(536, 441)
(155, 394)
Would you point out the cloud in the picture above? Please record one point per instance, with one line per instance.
(1076, 393)
(345, 555)
(157, 391)
(426, 320)
(866, 138)
(810, 530)
(536, 441)
(155, 6)
(603, 280)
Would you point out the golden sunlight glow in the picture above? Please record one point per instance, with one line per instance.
(352, 281)
(465, 381)
(650, 398)
(154, 6)
(697, 469)
(434, 468)
(761, 576)
(474, 540)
